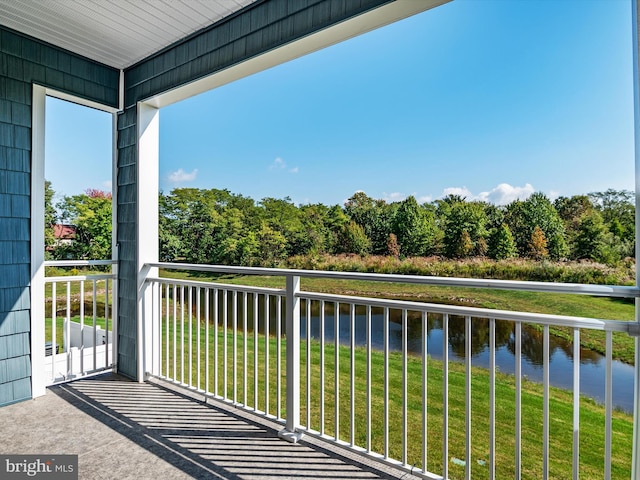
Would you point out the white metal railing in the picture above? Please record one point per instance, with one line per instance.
(227, 341)
(80, 321)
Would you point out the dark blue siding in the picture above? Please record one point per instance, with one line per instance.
(24, 61)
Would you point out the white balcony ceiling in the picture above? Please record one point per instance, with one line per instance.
(118, 33)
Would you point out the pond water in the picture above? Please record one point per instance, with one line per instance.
(592, 364)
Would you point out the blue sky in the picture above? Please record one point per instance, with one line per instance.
(491, 99)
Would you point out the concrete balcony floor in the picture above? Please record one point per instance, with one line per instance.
(122, 429)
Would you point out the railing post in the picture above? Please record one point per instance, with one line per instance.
(148, 325)
(290, 432)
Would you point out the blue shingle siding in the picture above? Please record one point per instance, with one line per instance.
(254, 30)
(24, 61)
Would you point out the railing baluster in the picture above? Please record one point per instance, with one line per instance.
(608, 402)
(206, 340)
(545, 405)
(336, 338)
(445, 396)
(67, 331)
(279, 357)
(95, 324)
(322, 367)
(404, 387)
(167, 331)
(182, 334)
(245, 316)
(216, 320)
(386, 383)
(368, 378)
(266, 354)
(106, 321)
(518, 375)
(82, 369)
(492, 399)
(352, 418)
(425, 403)
(235, 346)
(635, 456)
(576, 403)
(54, 321)
(308, 346)
(198, 328)
(225, 337)
(175, 332)
(256, 327)
(190, 317)
(467, 361)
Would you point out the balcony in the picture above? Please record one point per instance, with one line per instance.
(433, 391)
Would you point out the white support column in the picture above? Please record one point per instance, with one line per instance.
(635, 467)
(39, 100)
(290, 432)
(147, 233)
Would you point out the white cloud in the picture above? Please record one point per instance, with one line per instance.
(505, 193)
(393, 197)
(460, 191)
(500, 195)
(399, 197)
(280, 164)
(180, 176)
(553, 195)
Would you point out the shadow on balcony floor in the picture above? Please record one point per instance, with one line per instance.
(122, 429)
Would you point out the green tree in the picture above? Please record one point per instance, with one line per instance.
(523, 217)
(282, 216)
(618, 211)
(393, 248)
(538, 244)
(207, 226)
(572, 210)
(354, 239)
(414, 227)
(374, 216)
(501, 245)
(50, 217)
(465, 229)
(90, 213)
(591, 238)
(271, 246)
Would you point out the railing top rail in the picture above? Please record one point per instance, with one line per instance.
(549, 287)
(78, 263)
(475, 312)
(221, 286)
(77, 278)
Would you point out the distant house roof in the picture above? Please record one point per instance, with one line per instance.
(64, 232)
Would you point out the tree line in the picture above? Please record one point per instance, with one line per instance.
(219, 227)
